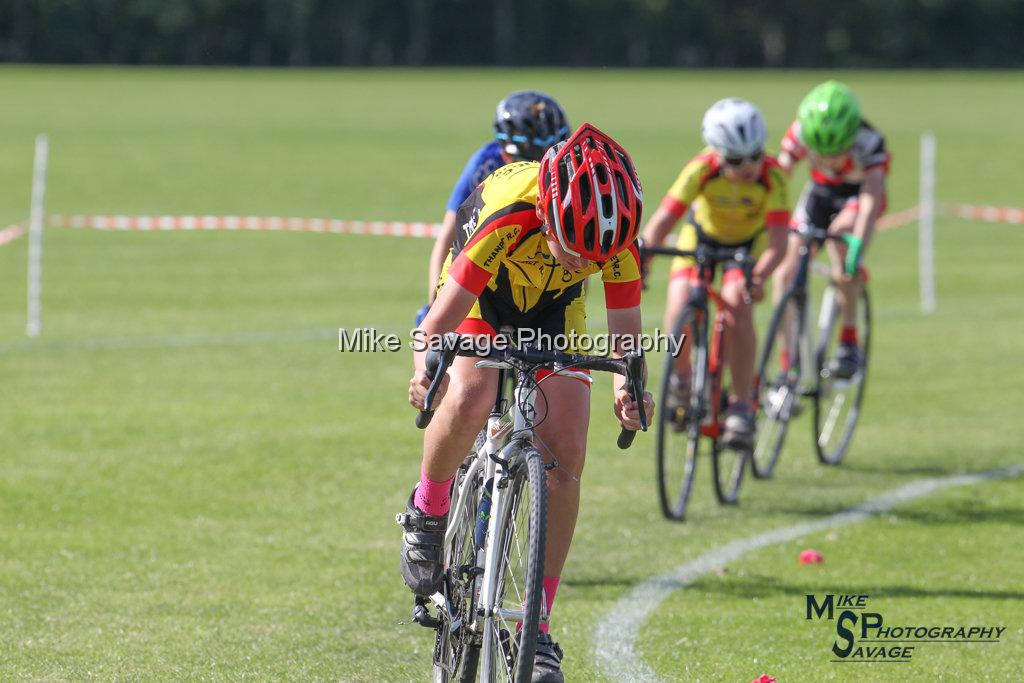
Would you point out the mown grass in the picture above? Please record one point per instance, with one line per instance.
(196, 484)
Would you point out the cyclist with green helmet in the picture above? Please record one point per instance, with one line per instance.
(846, 194)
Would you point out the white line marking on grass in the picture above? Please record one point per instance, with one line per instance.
(615, 638)
(171, 340)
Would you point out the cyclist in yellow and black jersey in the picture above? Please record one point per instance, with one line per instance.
(731, 194)
(529, 236)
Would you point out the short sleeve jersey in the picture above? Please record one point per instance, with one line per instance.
(499, 249)
(868, 151)
(729, 212)
(483, 163)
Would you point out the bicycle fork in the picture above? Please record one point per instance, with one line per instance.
(502, 495)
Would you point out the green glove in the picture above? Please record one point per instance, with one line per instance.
(854, 247)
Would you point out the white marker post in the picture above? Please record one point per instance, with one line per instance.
(35, 236)
(926, 224)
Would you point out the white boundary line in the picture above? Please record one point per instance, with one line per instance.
(615, 638)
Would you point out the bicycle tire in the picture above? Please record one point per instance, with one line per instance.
(529, 478)
(826, 413)
(727, 464)
(674, 490)
(453, 651)
(777, 390)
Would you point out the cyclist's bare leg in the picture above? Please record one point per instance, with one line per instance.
(459, 418)
(742, 339)
(848, 289)
(563, 413)
(678, 295)
(782, 280)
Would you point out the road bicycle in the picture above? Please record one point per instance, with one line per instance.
(489, 609)
(795, 365)
(683, 428)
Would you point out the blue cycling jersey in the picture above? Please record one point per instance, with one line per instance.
(483, 163)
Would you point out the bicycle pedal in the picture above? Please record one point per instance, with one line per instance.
(421, 615)
(470, 571)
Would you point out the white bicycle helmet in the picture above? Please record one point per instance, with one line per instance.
(734, 127)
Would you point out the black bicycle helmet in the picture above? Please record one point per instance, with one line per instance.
(527, 122)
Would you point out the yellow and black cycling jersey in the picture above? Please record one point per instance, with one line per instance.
(726, 211)
(499, 251)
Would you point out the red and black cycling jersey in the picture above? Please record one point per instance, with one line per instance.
(867, 152)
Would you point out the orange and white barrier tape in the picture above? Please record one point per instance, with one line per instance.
(11, 233)
(256, 223)
(399, 228)
(898, 219)
(991, 214)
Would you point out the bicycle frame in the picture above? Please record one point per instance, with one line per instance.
(504, 445)
(799, 288)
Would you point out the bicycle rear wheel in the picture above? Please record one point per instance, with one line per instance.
(778, 377)
(837, 401)
(728, 464)
(456, 649)
(679, 425)
(520, 574)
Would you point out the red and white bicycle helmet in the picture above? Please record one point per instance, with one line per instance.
(590, 195)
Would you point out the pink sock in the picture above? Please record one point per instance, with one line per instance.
(784, 362)
(433, 497)
(550, 588)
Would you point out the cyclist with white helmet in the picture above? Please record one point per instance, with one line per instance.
(846, 194)
(731, 194)
(535, 233)
(526, 123)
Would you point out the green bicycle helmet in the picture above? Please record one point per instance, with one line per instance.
(829, 118)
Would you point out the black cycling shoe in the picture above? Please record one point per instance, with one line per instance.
(421, 561)
(547, 662)
(846, 363)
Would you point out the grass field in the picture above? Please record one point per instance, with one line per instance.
(195, 483)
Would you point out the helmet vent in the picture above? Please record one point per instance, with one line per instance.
(588, 235)
(585, 191)
(577, 155)
(563, 178)
(623, 230)
(623, 195)
(569, 226)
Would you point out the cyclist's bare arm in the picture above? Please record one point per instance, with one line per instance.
(450, 308)
(773, 254)
(787, 161)
(442, 245)
(869, 204)
(626, 322)
(658, 227)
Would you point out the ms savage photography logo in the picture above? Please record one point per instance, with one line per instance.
(867, 637)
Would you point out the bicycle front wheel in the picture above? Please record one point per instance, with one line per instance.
(837, 401)
(680, 414)
(520, 574)
(728, 462)
(778, 377)
(456, 649)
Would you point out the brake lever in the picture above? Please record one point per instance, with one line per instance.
(437, 364)
(634, 373)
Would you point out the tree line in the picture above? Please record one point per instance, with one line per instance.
(681, 33)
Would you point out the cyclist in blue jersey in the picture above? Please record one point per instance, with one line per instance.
(526, 123)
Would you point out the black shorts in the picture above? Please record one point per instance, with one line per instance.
(819, 204)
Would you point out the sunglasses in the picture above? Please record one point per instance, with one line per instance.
(738, 161)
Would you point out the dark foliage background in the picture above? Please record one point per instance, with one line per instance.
(694, 33)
